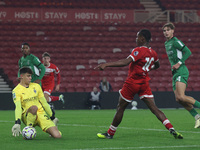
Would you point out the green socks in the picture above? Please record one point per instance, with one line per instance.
(197, 104)
(193, 112)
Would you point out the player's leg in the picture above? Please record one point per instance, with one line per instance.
(127, 94)
(57, 98)
(47, 125)
(161, 116)
(116, 120)
(54, 132)
(187, 102)
(47, 93)
(31, 115)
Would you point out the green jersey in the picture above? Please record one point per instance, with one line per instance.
(176, 51)
(34, 63)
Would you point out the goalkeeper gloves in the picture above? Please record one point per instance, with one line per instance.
(55, 121)
(16, 129)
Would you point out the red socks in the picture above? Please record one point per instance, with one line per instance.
(112, 130)
(167, 124)
(53, 98)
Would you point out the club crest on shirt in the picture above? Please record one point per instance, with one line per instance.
(135, 53)
(34, 90)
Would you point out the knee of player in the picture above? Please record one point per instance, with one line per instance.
(58, 135)
(180, 98)
(33, 109)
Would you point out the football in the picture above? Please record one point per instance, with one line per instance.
(29, 133)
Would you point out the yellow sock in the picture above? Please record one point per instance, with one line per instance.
(30, 119)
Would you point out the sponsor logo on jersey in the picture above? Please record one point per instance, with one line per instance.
(30, 99)
(14, 96)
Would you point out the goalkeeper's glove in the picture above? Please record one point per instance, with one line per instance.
(16, 129)
(55, 121)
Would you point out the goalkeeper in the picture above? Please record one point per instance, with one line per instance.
(31, 106)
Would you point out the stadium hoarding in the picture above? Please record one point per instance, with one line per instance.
(65, 15)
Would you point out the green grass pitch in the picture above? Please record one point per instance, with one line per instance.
(139, 129)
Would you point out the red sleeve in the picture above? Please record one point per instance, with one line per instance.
(136, 54)
(57, 72)
(155, 56)
(58, 78)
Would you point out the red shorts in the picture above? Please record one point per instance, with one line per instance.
(48, 89)
(128, 91)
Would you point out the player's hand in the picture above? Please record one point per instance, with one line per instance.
(100, 67)
(176, 66)
(16, 130)
(37, 81)
(57, 87)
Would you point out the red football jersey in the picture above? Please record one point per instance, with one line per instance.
(49, 75)
(143, 59)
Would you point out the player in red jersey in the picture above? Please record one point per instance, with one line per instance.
(140, 61)
(48, 81)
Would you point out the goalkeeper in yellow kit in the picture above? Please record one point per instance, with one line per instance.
(31, 106)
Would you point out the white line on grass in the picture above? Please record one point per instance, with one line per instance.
(128, 128)
(149, 147)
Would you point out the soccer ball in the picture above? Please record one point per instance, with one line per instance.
(29, 133)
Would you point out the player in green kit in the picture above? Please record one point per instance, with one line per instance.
(31, 61)
(178, 53)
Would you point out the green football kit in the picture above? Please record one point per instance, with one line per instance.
(35, 64)
(177, 52)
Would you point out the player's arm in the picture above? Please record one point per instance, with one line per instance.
(120, 63)
(58, 81)
(16, 129)
(40, 66)
(156, 65)
(42, 70)
(186, 53)
(46, 107)
(19, 65)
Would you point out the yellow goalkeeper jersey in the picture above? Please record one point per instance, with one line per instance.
(28, 96)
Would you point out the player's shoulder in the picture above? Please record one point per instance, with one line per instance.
(53, 65)
(33, 57)
(18, 88)
(34, 85)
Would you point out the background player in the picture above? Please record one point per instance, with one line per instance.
(140, 61)
(178, 53)
(48, 81)
(32, 62)
(31, 106)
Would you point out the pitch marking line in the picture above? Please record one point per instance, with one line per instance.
(128, 128)
(149, 147)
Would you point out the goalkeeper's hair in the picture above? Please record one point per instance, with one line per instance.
(146, 34)
(170, 25)
(45, 54)
(25, 44)
(24, 70)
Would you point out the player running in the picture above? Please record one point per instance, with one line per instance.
(31, 61)
(48, 81)
(178, 53)
(140, 61)
(31, 106)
